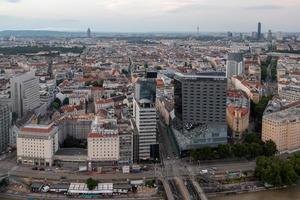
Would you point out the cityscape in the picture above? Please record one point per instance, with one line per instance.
(168, 113)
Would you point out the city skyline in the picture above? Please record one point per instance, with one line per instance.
(149, 16)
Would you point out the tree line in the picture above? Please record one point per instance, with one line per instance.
(36, 49)
(251, 148)
(278, 172)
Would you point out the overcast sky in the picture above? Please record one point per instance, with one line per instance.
(150, 15)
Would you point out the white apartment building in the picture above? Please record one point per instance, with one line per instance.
(103, 141)
(144, 113)
(37, 144)
(25, 93)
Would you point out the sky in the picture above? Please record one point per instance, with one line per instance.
(150, 15)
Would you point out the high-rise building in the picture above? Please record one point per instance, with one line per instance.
(89, 33)
(259, 31)
(269, 36)
(235, 65)
(4, 127)
(144, 113)
(25, 93)
(200, 107)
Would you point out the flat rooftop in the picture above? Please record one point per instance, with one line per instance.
(71, 152)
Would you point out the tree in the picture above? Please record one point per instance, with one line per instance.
(91, 183)
(124, 71)
(66, 101)
(269, 148)
(296, 163)
(289, 176)
(252, 138)
(194, 154)
(268, 169)
(206, 153)
(56, 103)
(240, 150)
(158, 67)
(254, 150)
(224, 151)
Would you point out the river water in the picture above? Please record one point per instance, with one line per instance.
(292, 193)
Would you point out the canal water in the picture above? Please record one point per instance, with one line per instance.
(292, 193)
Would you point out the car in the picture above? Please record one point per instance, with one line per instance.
(168, 158)
(204, 171)
(34, 168)
(42, 169)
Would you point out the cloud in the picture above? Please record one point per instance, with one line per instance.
(10, 1)
(192, 8)
(264, 7)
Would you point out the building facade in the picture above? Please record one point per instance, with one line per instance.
(200, 101)
(37, 144)
(238, 112)
(104, 141)
(283, 127)
(5, 123)
(25, 93)
(145, 117)
(234, 65)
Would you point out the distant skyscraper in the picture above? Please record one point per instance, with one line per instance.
(4, 127)
(198, 30)
(89, 33)
(25, 93)
(259, 31)
(229, 34)
(269, 36)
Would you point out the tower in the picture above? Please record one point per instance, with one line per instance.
(259, 31)
(89, 33)
(270, 37)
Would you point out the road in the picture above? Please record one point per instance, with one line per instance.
(171, 169)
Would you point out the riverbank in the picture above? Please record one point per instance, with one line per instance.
(290, 193)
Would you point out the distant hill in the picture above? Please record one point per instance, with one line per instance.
(32, 33)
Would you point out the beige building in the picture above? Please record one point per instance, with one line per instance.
(103, 141)
(238, 112)
(37, 144)
(253, 89)
(283, 127)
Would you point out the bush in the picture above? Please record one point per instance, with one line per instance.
(91, 183)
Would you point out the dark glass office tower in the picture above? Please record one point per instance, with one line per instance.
(200, 107)
(145, 88)
(259, 31)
